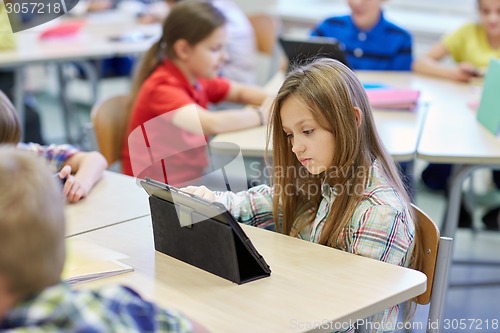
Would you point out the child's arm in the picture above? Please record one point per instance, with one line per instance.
(253, 207)
(430, 64)
(381, 232)
(99, 5)
(88, 168)
(190, 117)
(246, 94)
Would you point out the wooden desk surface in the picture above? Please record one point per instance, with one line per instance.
(310, 284)
(115, 198)
(399, 130)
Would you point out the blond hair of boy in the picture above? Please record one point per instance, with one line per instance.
(31, 226)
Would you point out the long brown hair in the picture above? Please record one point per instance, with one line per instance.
(191, 20)
(332, 91)
(10, 126)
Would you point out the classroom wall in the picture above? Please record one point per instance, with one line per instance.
(256, 6)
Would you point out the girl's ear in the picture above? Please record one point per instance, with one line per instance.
(359, 116)
(182, 49)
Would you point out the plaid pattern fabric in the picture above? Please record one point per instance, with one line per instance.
(56, 155)
(111, 309)
(381, 226)
(253, 207)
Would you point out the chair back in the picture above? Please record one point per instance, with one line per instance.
(266, 29)
(434, 262)
(110, 119)
(430, 244)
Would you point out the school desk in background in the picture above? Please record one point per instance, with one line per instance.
(63, 30)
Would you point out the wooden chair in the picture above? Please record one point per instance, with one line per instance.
(266, 29)
(434, 262)
(110, 120)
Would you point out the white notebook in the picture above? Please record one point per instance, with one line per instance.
(87, 261)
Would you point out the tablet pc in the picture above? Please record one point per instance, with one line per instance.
(301, 51)
(202, 234)
(130, 37)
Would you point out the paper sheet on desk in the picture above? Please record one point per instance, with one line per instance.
(393, 99)
(86, 261)
(62, 30)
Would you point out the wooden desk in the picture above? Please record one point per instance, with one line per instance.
(309, 285)
(399, 130)
(116, 198)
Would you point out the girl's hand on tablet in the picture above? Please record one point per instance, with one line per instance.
(200, 191)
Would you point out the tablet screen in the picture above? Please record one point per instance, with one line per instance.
(188, 201)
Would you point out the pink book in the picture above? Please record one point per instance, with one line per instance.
(397, 99)
(62, 30)
(474, 105)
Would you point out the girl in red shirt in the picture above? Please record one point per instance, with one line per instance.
(178, 77)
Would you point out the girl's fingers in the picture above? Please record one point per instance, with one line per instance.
(73, 190)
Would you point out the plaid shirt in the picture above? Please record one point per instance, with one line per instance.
(381, 226)
(111, 309)
(56, 155)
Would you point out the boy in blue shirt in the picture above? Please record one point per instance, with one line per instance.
(371, 42)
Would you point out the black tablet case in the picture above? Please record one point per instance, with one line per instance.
(301, 51)
(221, 248)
